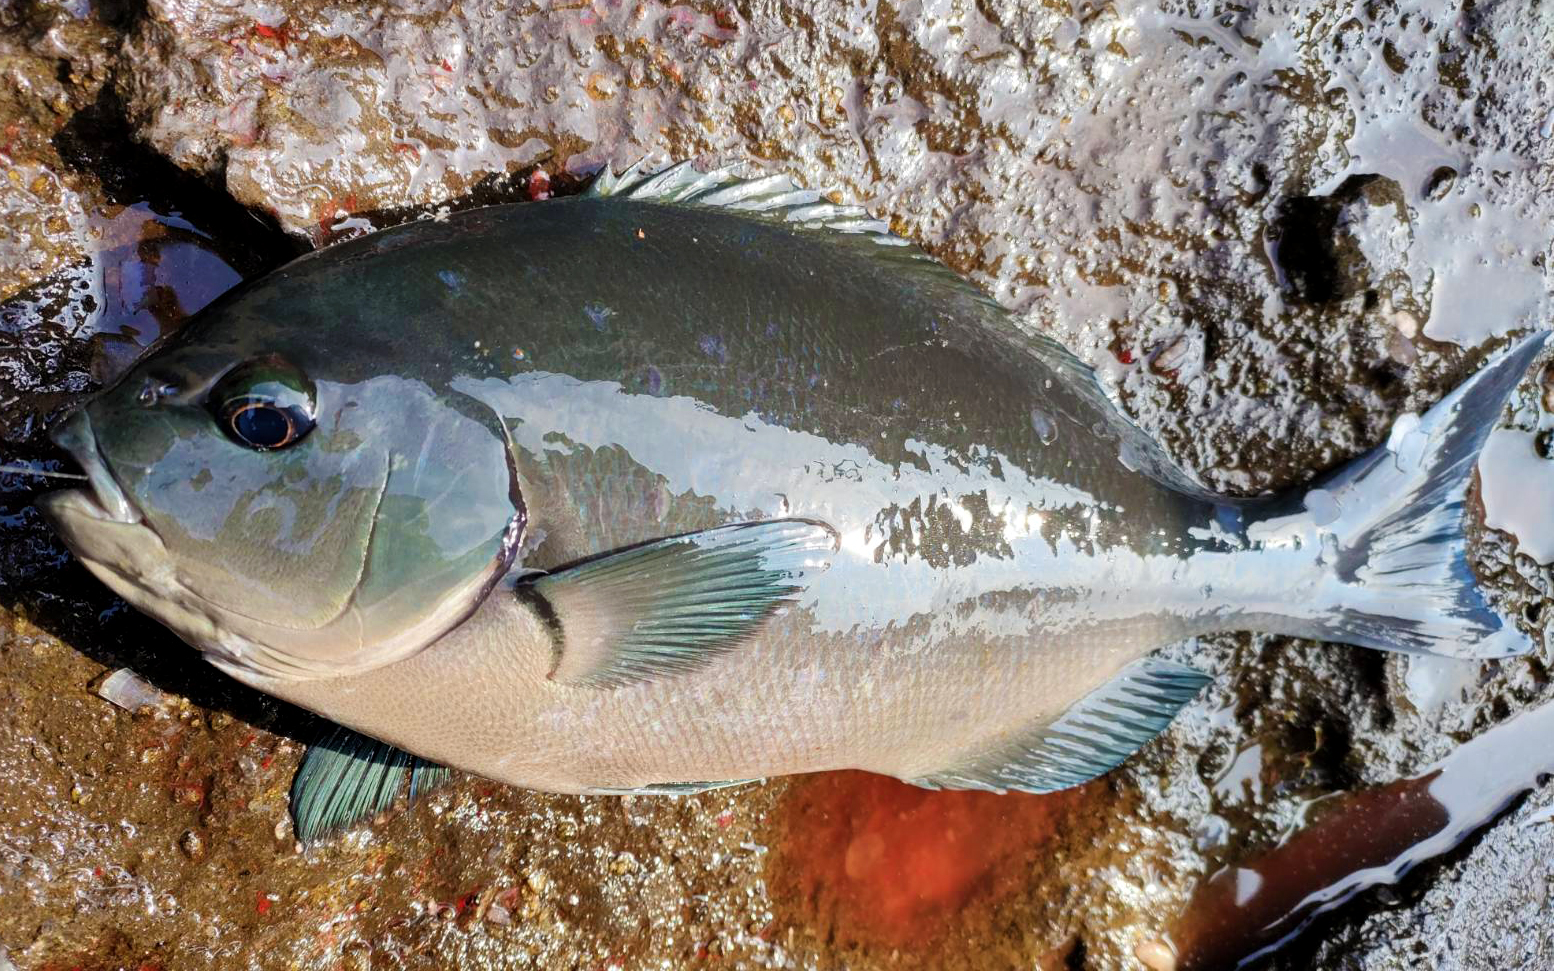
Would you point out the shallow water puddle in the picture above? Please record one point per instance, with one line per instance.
(147, 270)
(153, 270)
(1351, 842)
(868, 860)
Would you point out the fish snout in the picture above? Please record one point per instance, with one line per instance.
(75, 436)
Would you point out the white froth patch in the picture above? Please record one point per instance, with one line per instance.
(1431, 681)
(1517, 484)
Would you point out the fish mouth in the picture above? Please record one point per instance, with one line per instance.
(105, 499)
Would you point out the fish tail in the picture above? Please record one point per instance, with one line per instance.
(1391, 532)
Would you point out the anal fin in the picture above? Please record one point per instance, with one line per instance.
(1095, 735)
(346, 777)
(672, 788)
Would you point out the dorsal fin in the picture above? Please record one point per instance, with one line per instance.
(772, 196)
(777, 198)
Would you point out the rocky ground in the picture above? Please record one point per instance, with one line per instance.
(1272, 229)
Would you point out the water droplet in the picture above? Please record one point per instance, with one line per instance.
(1439, 183)
(1323, 507)
(1045, 428)
(154, 391)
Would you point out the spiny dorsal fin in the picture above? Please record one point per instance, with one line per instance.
(670, 606)
(346, 777)
(776, 197)
(771, 196)
(1097, 734)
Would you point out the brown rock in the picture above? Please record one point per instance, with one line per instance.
(51, 65)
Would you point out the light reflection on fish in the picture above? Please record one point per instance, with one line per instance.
(689, 481)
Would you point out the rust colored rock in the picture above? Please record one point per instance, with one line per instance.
(871, 860)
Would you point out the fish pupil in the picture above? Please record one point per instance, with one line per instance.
(262, 425)
(264, 404)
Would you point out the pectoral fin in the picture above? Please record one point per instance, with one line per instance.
(672, 605)
(346, 777)
(1097, 734)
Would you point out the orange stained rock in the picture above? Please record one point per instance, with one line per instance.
(874, 860)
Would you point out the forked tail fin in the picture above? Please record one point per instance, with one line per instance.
(1391, 527)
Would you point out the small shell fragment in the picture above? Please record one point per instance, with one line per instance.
(1156, 955)
(130, 691)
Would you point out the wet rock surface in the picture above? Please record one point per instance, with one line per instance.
(53, 62)
(1272, 230)
(1487, 909)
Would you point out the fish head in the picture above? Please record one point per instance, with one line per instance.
(293, 503)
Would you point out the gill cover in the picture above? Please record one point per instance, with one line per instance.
(323, 521)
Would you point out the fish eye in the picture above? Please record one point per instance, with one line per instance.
(264, 405)
(263, 424)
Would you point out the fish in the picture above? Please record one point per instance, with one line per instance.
(690, 480)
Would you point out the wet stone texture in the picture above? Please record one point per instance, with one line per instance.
(1488, 909)
(53, 62)
(1272, 230)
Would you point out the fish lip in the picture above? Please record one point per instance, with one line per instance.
(105, 499)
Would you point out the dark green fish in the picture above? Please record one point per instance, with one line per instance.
(692, 480)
